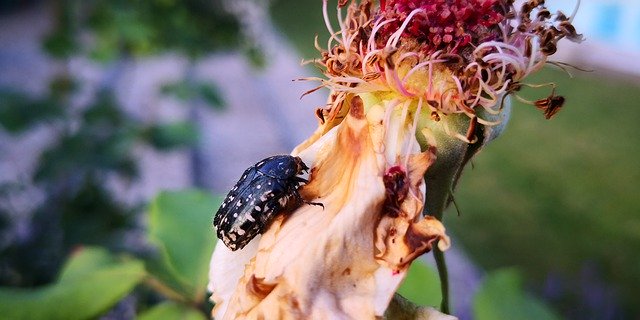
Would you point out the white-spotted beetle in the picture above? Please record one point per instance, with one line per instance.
(265, 190)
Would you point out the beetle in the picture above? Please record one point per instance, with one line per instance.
(264, 191)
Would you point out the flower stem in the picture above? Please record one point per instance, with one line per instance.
(441, 264)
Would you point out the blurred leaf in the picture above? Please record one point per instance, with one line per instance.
(193, 27)
(92, 216)
(84, 262)
(92, 279)
(180, 225)
(304, 25)
(501, 296)
(103, 142)
(172, 311)
(105, 48)
(106, 113)
(422, 285)
(402, 309)
(88, 153)
(105, 44)
(256, 57)
(210, 94)
(19, 112)
(62, 42)
(172, 135)
(62, 86)
(34, 258)
(186, 91)
(133, 30)
(181, 90)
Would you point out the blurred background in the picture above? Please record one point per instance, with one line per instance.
(104, 104)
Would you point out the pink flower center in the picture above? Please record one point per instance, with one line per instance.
(449, 25)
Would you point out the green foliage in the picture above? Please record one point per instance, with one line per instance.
(255, 56)
(552, 196)
(422, 285)
(96, 141)
(103, 142)
(171, 311)
(304, 25)
(192, 27)
(63, 43)
(91, 282)
(94, 280)
(19, 112)
(501, 296)
(172, 135)
(210, 95)
(190, 90)
(62, 87)
(180, 226)
(95, 228)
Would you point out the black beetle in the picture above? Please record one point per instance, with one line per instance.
(265, 190)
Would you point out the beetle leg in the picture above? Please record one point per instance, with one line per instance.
(310, 202)
(299, 179)
(300, 199)
(314, 203)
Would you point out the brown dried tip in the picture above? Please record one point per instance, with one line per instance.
(258, 287)
(471, 132)
(357, 108)
(550, 105)
(320, 115)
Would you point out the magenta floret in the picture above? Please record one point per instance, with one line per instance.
(448, 25)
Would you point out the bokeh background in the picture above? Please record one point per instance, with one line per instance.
(104, 104)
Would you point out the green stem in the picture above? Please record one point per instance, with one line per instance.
(441, 264)
(437, 207)
(165, 290)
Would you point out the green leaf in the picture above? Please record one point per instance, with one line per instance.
(105, 223)
(19, 112)
(501, 297)
(210, 94)
(62, 86)
(60, 44)
(172, 135)
(91, 283)
(422, 285)
(172, 311)
(180, 90)
(256, 56)
(180, 225)
(185, 90)
(84, 262)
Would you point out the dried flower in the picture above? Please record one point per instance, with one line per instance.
(417, 88)
(460, 56)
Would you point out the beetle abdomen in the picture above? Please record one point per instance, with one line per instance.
(262, 193)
